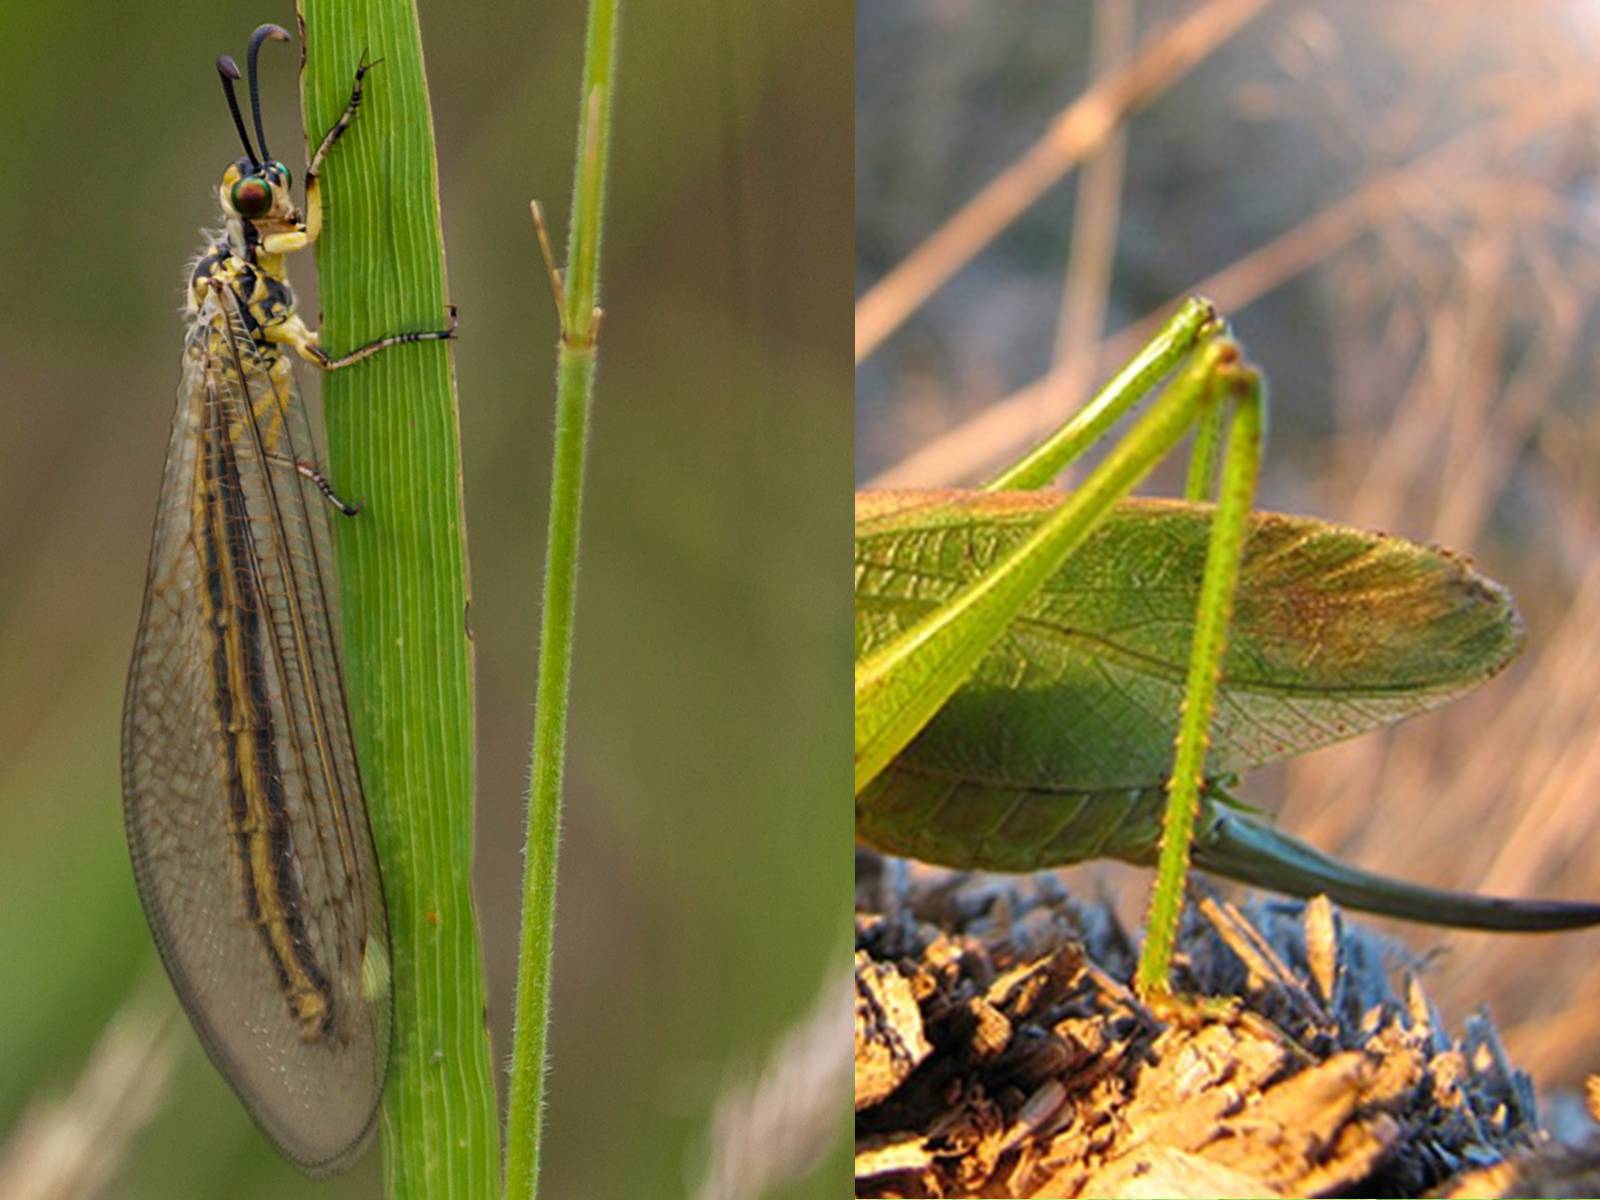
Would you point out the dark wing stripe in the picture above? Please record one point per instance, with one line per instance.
(274, 896)
(305, 704)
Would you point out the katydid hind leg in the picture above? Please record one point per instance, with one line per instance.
(1195, 322)
(1236, 387)
(901, 685)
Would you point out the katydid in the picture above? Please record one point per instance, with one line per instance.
(1047, 677)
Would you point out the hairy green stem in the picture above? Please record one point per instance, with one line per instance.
(574, 390)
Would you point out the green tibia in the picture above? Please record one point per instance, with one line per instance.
(1236, 389)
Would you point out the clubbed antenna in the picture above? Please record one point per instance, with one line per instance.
(275, 33)
(229, 70)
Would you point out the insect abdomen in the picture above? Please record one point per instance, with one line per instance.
(967, 824)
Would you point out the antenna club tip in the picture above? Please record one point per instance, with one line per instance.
(226, 67)
(276, 32)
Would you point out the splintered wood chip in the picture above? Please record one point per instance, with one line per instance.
(889, 1037)
(995, 1062)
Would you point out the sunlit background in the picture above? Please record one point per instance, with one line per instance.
(703, 894)
(1396, 203)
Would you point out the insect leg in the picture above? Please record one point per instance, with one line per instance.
(394, 339)
(1194, 322)
(292, 332)
(314, 169)
(1205, 459)
(1236, 385)
(314, 473)
(901, 684)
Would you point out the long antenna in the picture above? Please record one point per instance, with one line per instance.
(229, 70)
(276, 33)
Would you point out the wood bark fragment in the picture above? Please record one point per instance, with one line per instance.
(1039, 1073)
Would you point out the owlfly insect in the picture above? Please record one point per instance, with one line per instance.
(242, 800)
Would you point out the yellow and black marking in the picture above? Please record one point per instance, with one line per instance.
(243, 804)
(253, 778)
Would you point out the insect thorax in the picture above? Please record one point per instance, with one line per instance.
(259, 295)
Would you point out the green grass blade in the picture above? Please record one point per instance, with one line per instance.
(574, 392)
(393, 442)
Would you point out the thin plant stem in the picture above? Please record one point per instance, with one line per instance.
(580, 326)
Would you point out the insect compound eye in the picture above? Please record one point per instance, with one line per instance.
(281, 172)
(251, 197)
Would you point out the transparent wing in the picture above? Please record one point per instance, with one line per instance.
(242, 803)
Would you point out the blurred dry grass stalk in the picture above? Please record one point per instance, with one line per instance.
(1470, 421)
(776, 1127)
(1461, 270)
(1079, 131)
(70, 1149)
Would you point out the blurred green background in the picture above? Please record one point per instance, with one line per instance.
(703, 892)
(1396, 202)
